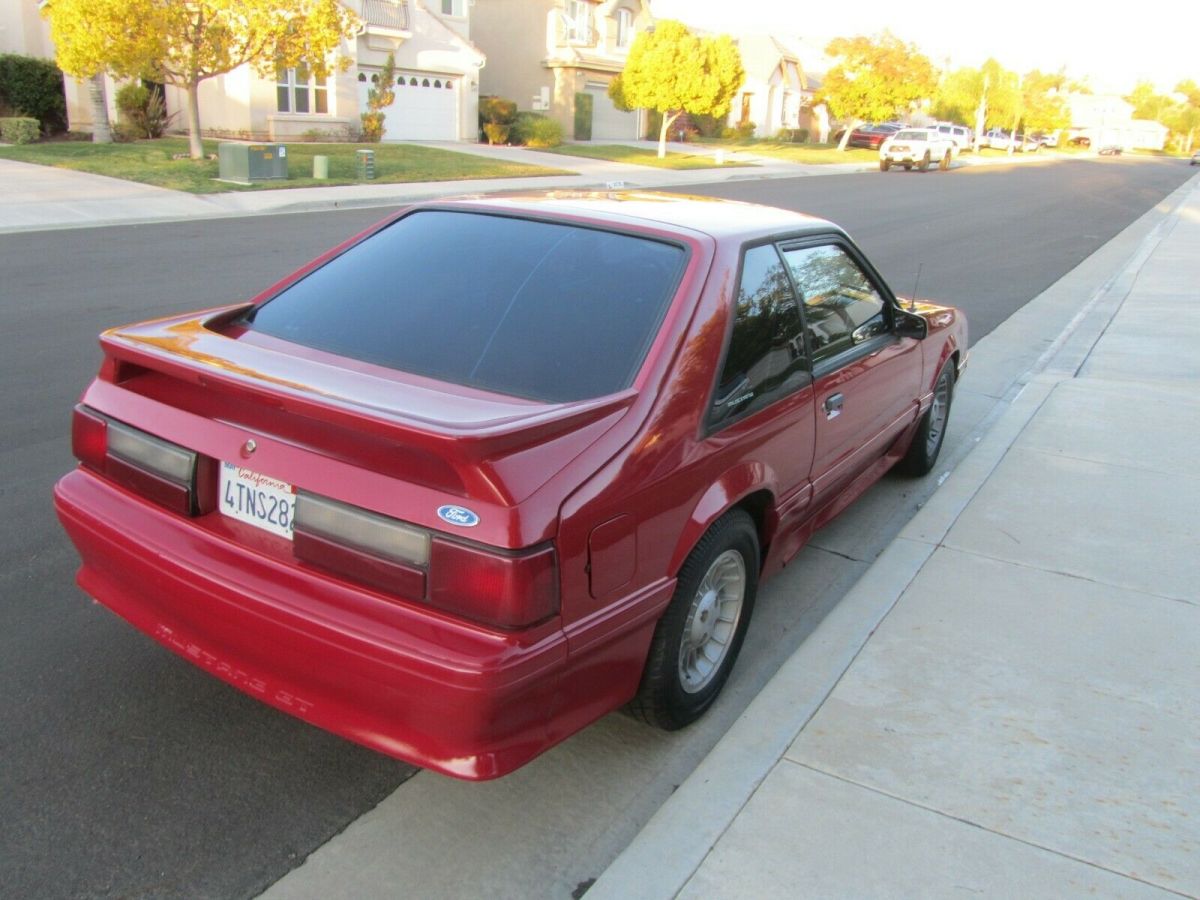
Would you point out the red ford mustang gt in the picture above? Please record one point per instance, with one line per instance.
(497, 467)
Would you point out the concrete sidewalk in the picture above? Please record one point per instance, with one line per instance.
(40, 198)
(1007, 703)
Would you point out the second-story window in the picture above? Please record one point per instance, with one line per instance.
(579, 21)
(624, 28)
(456, 8)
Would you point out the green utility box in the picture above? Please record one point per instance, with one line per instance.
(365, 164)
(245, 163)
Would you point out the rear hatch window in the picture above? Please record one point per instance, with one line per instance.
(547, 311)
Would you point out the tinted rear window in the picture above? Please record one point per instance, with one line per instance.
(543, 310)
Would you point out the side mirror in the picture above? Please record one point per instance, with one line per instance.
(911, 325)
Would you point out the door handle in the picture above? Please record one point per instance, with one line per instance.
(833, 406)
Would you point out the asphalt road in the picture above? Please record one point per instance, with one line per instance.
(127, 773)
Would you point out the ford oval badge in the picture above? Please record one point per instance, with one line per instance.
(458, 515)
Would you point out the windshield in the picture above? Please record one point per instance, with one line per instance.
(910, 136)
(534, 309)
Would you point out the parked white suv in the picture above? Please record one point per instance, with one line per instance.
(960, 134)
(920, 147)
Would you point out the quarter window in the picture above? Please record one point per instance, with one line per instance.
(455, 8)
(298, 91)
(765, 359)
(841, 306)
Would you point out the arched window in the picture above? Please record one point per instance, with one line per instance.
(437, 83)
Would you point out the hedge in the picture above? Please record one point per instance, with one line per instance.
(33, 87)
(21, 130)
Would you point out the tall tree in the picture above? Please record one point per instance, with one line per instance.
(672, 71)
(184, 42)
(1184, 118)
(874, 80)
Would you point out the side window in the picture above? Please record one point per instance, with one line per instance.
(841, 306)
(766, 351)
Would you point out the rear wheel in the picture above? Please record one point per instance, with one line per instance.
(923, 453)
(698, 638)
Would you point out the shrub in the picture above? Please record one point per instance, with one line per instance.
(535, 130)
(496, 133)
(496, 117)
(708, 126)
(34, 87)
(19, 130)
(379, 97)
(792, 135)
(142, 112)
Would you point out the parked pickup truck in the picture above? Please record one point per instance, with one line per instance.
(918, 147)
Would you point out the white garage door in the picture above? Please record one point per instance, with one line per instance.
(608, 122)
(425, 109)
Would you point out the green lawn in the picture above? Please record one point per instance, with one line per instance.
(152, 162)
(641, 157)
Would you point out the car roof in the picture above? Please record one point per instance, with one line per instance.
(716, 217)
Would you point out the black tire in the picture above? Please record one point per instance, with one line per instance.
(923, 165)
(927, 443)
(884, 165)
(675, 688)
(944, 165)
(907, 167)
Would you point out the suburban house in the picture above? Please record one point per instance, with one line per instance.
(437, 84)
(772, 94)
(779, 90)
(1106, 119)
(558, 57)
(24, 32)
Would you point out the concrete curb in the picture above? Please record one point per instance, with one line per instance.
(674, 843)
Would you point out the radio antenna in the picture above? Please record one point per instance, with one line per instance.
(912, 303)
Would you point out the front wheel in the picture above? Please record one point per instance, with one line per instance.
(698, 638)
(884, 165)
(944, 165)
(923, 453)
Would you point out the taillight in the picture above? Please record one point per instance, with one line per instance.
(89, 438)
(166, 473)
(497, 588)
(509, 590)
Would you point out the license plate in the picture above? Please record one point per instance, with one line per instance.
(258, 500)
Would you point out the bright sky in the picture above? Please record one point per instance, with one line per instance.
(1113, 44)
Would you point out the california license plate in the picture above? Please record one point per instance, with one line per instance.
(258, 500)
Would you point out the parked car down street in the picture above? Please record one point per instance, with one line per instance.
(920, 147)
(495, 468)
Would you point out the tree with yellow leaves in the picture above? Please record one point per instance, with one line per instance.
(673, 71)
(184, 42)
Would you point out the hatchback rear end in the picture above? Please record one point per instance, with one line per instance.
(343, 498)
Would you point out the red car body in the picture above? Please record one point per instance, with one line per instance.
(584, 510)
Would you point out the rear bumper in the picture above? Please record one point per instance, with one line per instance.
(414, 684)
